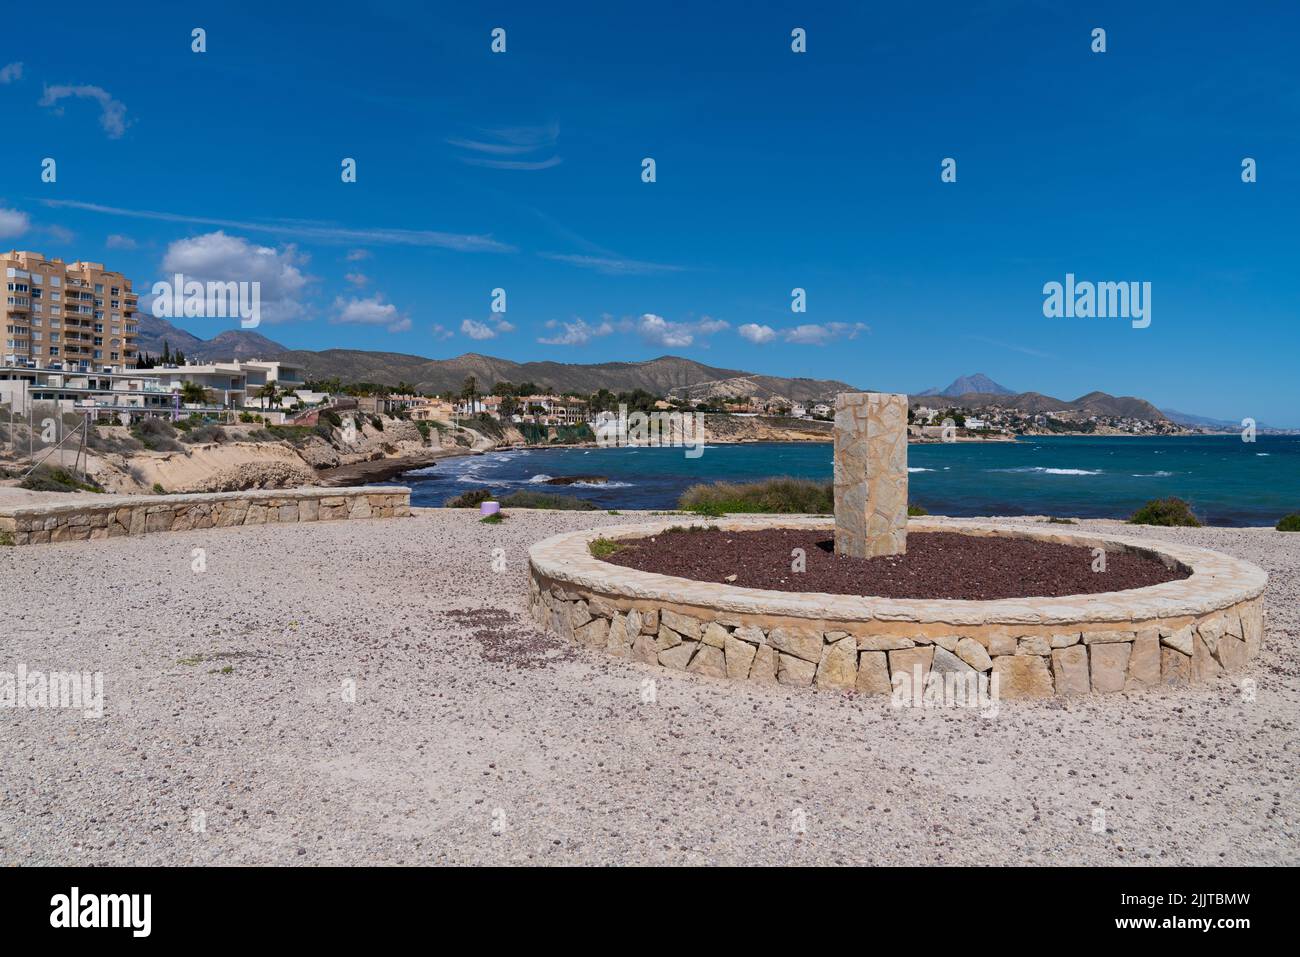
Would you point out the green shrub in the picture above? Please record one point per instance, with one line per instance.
(1290, 523)
(158, 489)
(424, 428)
(604, 547)
(377, 423)
(496, 518)
(1165, 511)
(7, 538)
(917, 510)
(779, 495)
(471, 499)
(332, 417)
(47, 478)
(1053, 520)
(526, 499)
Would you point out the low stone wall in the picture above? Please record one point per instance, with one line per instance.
(113, 516)
(1174, 633)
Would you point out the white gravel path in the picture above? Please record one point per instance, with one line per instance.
(458, 725)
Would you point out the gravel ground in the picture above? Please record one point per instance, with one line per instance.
(225, 704)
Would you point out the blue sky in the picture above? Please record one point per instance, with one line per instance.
(775, 170)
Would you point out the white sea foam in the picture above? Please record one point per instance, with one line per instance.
(1160, 474)
(913, 469)
(1046, 471)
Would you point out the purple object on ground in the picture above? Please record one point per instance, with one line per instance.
(489, 508)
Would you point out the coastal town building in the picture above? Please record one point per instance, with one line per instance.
(123, 395)
(77, 316)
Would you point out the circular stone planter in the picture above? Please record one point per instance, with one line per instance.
(1168, 634)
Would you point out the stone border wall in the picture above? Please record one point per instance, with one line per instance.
(1170, 634)
(114, 516)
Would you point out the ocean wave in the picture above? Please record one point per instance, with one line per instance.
(540, 478)
(911, 468)
(1264, 454)
(1046, 471)
(1161, 474)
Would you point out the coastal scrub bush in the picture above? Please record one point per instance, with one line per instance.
(332, 417)
(46, 478)
(1165, 511)
(101, 442)
(205, 433)
(7, 537)
(496, 518)
(780, 495)
(156, 435)
(1053, 520)
(471, 499)
(1290, 523)
(917, 510)
(526, 499)
(424, 428)
(377, 423)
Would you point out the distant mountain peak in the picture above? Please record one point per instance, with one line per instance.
(965, 385)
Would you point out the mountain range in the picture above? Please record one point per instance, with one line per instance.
(666, 375)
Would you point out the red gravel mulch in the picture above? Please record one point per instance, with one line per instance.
(937, 565)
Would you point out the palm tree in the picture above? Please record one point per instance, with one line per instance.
(193, 393)
(271, 394)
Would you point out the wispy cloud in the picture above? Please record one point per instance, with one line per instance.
(489, 147)
(814, 334)
(112, 112)
(658, 331)
(576, 333)
(118, 241)
(11, 72)
(308, 231)
(756, 333)
(1013, 347)
(612, 266)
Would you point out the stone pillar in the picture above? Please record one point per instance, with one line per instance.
(870, 474)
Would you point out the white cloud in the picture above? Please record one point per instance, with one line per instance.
(442, 332)
(13, 222)
(11, 72)
(656, 330)
(482, 330)
(612, 266)
(576, 333)
(371, 311)
(757, 334)
(112, 113)
(118, 241)
(813, 334)
(357, 278)
(317, 232)
(356, 255)
(217, 257)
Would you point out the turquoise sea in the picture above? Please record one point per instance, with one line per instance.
(1228, 481)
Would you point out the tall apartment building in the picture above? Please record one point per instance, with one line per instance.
(74, 316)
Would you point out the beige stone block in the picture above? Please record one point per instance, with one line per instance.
(714, 635)
(1065, 640)
(1232, 653)
(1180, 639)
(1034, 645)
(873, 673)
(1144, 663)
(594, 633)
(308, 510)
(645, 650)
(1070, 669)
(884, 643)
(972, 652)
(907, 660)
(1107, 637)
(1109, 665)
(795, 671)
(1204, 665)
(709, 661)
(684, 625)
(752, 634)
(650, 621)
(1210, 630)
(764, 666)
(740, 657)
(1022, 676)
(800, 643)
(678, 656)
(1001, 644)
(1175, 667)
(839, 664)
(870, 474)
(667, 638)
